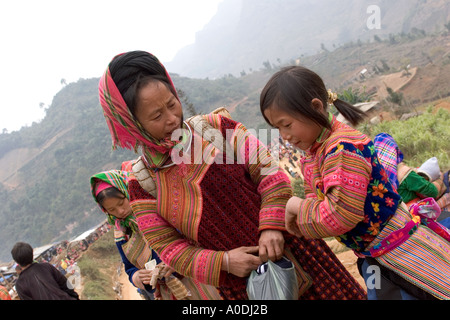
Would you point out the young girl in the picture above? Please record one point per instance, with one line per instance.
(348, 193)
(110, 191)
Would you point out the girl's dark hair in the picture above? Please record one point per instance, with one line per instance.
(133, 70)
(293, 88)
(22, 253)
(112, 192)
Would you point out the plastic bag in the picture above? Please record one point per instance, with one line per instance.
(426, 208)
(273, 281)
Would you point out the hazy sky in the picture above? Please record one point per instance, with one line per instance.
(44, 41)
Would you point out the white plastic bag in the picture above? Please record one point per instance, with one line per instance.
(273, 281)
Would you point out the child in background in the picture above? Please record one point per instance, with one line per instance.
(412, 185)
(110, 191)
(348, 194)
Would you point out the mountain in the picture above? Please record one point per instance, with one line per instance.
(45, 168)
(244, 34)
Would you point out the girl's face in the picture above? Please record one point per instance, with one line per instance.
(158, 110)
(299, 131)
(118, 207)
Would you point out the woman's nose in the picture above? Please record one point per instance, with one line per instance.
(172, 118)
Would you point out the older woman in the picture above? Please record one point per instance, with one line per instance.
(211, 219)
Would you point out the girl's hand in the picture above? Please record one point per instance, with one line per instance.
(141, 277)
(271, 245)
(292, 208)
(242, 261)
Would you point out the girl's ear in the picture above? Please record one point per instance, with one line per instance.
(318, 105)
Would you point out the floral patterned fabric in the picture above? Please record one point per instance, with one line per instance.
(353, 198)
(349, 196)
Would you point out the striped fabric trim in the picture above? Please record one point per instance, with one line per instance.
(197, 290)
(170, 224)
(273, 185)
(389, 155)
(176, 251)
(345, 184)
(115, 178)
(181, 197)
(137, 251)
(200, 291)
(423, 260)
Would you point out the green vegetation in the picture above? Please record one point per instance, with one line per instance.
(96, 267)
(394, 97)
(205, 94)
(51, 199)
(354, 96)
(421, 137)
(48, 196)
(298, 188)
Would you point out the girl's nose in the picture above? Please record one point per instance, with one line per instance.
(285, 136)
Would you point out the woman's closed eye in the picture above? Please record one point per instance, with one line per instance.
(157, 116)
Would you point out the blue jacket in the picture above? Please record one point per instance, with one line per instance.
(130, 268)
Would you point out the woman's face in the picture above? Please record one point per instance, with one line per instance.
(299, 131)
(158, 110)
(118, 207)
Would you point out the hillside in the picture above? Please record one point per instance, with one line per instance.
(428, 58)
(244, 34)
(45, 168)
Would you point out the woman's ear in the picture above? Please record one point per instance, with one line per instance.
(318, 105)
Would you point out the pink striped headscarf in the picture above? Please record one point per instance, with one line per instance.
(126, 131)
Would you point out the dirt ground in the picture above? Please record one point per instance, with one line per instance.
(395, 81)
(129, 292)
(444, 104)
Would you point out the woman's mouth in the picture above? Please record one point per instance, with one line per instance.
(170, 133)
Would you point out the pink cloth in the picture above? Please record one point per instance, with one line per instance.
(101, 185)
(125, 131)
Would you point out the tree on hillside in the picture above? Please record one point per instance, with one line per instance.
(447, 25)
(267, 66)
(355, 96)
(394, 97)
(189, 106)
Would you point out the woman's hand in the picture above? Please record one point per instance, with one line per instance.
(292, 208)
(271, 245)
(241, 261)
(164, 270)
